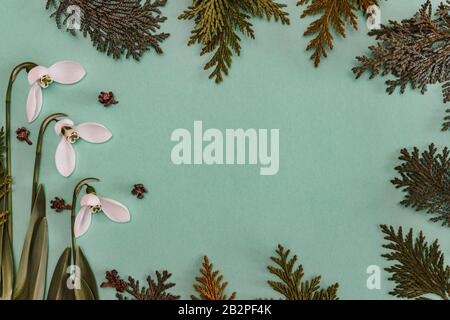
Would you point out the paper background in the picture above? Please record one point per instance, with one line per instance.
(339, 143)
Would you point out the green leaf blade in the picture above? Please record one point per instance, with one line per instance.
(58, 289)
(88, 283)
(30, 283)
(6, 263)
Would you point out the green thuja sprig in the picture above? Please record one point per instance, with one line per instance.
(415, 51)
(291, 285)
(333, 17)
(210, 285)
(218, 24)
(419, 269)
(119, 28)
(425, 180)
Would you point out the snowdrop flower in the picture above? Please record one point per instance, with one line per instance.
(92, 204)
(65, 157)
(373, 17)
(65, 72)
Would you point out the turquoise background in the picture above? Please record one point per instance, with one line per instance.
(339, 143)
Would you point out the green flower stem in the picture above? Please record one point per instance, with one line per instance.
(8, 199)
(76, 192)
(37, 159)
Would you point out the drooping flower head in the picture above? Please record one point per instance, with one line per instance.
(92, 204)
(64, 72)
(65, 157)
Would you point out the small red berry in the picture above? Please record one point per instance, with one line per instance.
(59, 205)
(23, 134)
(139, 190)
(114, 281)
(107, 98)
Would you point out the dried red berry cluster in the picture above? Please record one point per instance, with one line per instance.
(107, 98)
(114, 281)
(139, 190)
(23, 134)
(59, 205)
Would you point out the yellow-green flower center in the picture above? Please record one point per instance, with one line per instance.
(70, 134)
(96, 209)
(74, 137)
(45, 81)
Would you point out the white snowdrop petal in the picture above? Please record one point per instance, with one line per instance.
(62, 123)
(36, 73)
(82, 221)
(34, 102)
(65, 158)
(90, 199)
(93, 132)
(114, 210)
(66, 72)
